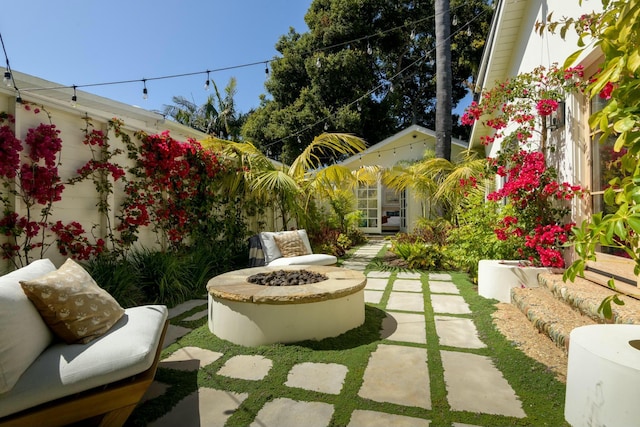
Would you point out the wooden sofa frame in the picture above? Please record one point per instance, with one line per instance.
(106, 406)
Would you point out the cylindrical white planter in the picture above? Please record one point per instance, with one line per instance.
(603, 376)
(496, 278)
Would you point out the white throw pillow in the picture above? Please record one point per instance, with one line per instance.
(23, 333)
(270, 248)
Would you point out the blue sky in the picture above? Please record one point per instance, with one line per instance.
(77, 42)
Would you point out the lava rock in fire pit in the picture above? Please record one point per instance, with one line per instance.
(286, 278)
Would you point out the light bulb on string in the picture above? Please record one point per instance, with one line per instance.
(266, 68)
(326, 126)
(74, 97)
(359, 107)
(413, 35)
(454, 21)
(369, 49)
(18, 99)
(318, 63)
(208, 81)
(391, 87)
(469, 33)
(145, 92)
(7, 78)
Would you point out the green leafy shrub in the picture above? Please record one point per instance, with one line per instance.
(422, 256)
(474, 237)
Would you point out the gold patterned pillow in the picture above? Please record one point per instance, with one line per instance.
(290, 244)
(72, 304)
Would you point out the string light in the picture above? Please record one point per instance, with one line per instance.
(413, 35)
(266, 68)
(318, 63)
(206, 82)
(7, 78)
(454, 21)
(145, 92)
(74, 97)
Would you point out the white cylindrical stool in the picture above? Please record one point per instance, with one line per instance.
(603, 376)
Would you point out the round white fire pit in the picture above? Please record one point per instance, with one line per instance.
(250, 314)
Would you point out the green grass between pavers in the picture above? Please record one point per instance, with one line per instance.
(541, 394)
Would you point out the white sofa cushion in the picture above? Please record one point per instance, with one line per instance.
(270, 248)
(64, 369)
(313, 259)
(24, 334)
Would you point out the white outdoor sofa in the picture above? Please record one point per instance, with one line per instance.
(263, 250)
(62, 384)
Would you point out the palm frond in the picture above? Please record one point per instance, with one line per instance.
(324, 145)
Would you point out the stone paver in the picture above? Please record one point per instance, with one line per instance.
(396, 372)
(379, 274)
(206, 407)
(405, 285)
(457, 332)
(376, 284)
(406, 301)
(474, 384)
(197, 316)
(405, 327)
(174, 333)
(322, 377)
(407, 275)
(387, 379)
(244, 367)
(450, 304)
(361, 418)
(156, 389)
(283, 412)
(190, 359)
(373, 297)
(438, 287)
(186, 306)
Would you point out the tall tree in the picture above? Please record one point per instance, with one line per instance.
(365, 67)
(443, 80)
(217, 116)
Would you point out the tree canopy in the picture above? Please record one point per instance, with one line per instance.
(365, 67)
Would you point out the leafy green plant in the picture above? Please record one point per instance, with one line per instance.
(117, 277)
(422, 256)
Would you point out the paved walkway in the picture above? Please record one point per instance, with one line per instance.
(396, 372)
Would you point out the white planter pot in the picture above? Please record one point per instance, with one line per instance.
(603, 376)
(497, 277)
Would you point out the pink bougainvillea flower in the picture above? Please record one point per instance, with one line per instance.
(605, 93)
(546, 106)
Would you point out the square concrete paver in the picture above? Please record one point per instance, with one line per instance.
(406, 301)
(373, 297)
(407, 285)
(407, 275)
(323, 377)
(362, 418)
(379, 274)
(190, 359)
(439, 276)
(405, 327)
(438, 287)
(197, 316)
(457, 332)
(283, 412)
(397, 374)
(450, 304)
(376, 284)
(173, 334)
(246, 367)
(474, 384)
(186, 306)
(205, 407)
